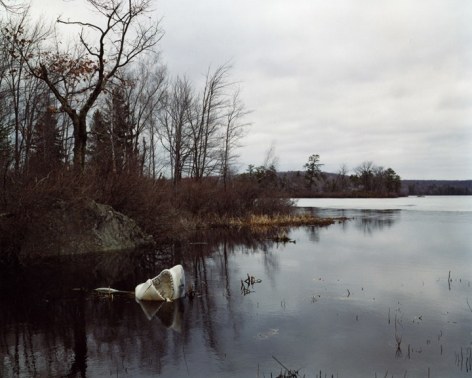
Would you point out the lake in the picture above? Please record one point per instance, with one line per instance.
(386, 293)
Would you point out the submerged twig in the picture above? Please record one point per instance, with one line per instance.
(249, 283)
(280, 363)
(109, 290)
(288, 373)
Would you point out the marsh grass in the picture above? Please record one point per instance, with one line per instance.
(277, 220)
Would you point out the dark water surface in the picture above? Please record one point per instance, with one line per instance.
(387, 292)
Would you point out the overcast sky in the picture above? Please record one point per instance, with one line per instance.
(351, 80)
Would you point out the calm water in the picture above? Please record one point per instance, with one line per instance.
(386, 293)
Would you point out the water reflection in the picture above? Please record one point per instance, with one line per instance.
(369, 221)
(169, 313)
(344, 300)
(48, 307)
(313, 233)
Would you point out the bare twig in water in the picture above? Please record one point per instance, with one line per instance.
(288, 373)
(398, 352)
(248, 283)
(280, 363)
(398, 340)
(468, 304)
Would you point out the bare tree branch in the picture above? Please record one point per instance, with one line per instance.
(13, 8)
(78, 79)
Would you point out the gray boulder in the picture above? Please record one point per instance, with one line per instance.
(82, 227)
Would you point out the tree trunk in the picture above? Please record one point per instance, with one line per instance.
(80, 142)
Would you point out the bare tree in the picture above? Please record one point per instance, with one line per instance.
(271, 159)
(365, 174)
(378, 179)
(24, 93)
(209, 113)
(12, 6)
(342, 179)
(145, 91)
(176, 126)
(78, 77)
(5, 150)
(233, 131)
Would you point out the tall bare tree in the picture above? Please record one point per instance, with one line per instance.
(4, 126)
(365, 175)
(342, 179)
(145, 91)
(209, 115)
(233, 131)
(176, 123)
(103, 48)
(23, 93)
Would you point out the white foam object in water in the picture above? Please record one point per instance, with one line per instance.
(166, 286)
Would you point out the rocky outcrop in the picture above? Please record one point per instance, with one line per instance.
(81, 227)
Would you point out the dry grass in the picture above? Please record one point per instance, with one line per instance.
(276, 221)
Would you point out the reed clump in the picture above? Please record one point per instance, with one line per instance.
(276, 220)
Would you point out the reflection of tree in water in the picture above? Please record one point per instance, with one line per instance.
(313, 233)
(79, 365)
(370, 221)
(367, 221)
(463, 359)
(81, 330)
(271, 265)
(42, 316)
(206, 304)
(208, 263)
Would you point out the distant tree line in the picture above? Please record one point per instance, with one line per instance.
(367, 180)
(437, 187)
